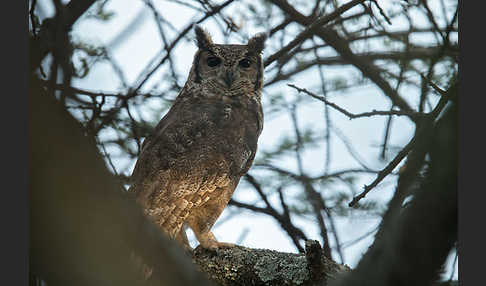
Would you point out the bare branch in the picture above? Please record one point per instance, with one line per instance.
(311, 30)
(342, 47)
(351, 115)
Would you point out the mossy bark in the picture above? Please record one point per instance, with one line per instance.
(245, 266)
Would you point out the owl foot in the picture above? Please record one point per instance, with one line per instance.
(216, 245)
(208, 241)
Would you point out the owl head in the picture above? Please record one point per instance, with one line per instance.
(230, 68)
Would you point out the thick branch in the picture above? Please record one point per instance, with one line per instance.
(83, 229)
(245, 266)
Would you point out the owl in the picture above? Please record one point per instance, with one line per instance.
(190, 165)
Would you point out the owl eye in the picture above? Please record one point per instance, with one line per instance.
(213, 61)
(245, 63)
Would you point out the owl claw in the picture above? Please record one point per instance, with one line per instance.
(214, 245)
(225, 245)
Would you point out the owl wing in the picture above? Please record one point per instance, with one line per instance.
(255, 111)
(144, 165)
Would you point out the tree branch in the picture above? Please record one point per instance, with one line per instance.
(423, 132)
(244, 266)
(425, 228)
(83, 229)
(351, 115)
(42, 45)
(311, 30)
(342, 47)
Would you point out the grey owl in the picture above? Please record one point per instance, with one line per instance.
(189, 167)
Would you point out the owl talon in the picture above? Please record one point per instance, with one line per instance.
(213, 245)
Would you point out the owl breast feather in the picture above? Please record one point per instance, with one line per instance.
(202, 132)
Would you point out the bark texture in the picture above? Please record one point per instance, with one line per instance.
(245, 266)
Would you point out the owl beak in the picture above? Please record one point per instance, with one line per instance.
(228, 78)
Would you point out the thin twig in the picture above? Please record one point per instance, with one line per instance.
(382, 12)
(311, 30)
(314, 197)
(168, 49)
(416, 53)
(453, 267)
(410, 114)
(32, 17)
(322, 177)
(334, 233)
(358, 239)
(433, 85)
(107, 156)
(387, 170)
(404, 152)
(341, 45)
(352, 151)
(88, 92)
(387, 135)
(327, 117)
(158, 20)
(294, 233)
(284, 220)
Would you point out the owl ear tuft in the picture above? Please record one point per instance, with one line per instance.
(256, 43)
(203, 38)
